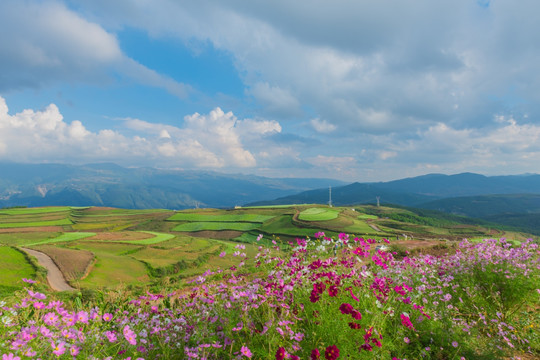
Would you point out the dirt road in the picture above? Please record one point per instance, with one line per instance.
(54, 275)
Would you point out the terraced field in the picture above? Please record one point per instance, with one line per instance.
(105, 247)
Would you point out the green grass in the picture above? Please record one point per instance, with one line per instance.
(14, 266)
(254, 218)
(360, 227)
(282, 225)
(70, 236)
(35, 223)
(215, 226)
(318, 214)
(367, 217)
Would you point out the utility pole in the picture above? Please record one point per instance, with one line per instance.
(330, 196)
(378, 201)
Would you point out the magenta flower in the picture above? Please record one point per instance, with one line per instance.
(331, 353)
(281, 353)
(333, 290)
(406, 321)
(315, 354)
(346, 308)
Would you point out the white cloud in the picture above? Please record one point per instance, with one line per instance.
(322, 126)
(204, 141)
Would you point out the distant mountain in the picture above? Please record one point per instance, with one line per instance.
(485, 206)
(465, 184)
(418, 190)
(112, 185)
(357, 193)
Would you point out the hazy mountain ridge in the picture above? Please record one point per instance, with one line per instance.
(112, 185)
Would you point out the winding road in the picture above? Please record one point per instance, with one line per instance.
(54, 275)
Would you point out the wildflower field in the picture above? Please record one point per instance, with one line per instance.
(324, 298)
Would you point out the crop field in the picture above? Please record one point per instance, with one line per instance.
(71, 236)
(72, 263)
(201, 225)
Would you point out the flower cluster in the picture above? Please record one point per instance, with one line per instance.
(326, 298)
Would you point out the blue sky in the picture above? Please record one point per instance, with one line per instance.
(348, 89)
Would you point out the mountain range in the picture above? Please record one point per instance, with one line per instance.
(131, 188)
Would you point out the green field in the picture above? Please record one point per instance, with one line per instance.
(34, 211)
(35, 224)
(158, 237)
(255, 218)
(319, 214)
(14, 267)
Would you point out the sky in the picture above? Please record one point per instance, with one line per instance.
(354, 90)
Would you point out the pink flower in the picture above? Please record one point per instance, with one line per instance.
(10, 356)
(111, 336)
(59, 349)
(244, 350)
(36, 295)
(39, 305)
(107, 317)
(130, 335)
(82, 316)
(29, 281)
(74, 351)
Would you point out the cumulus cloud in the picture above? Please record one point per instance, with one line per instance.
(213, 140)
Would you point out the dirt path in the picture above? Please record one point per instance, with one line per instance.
(54, 275)
(374, 227)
